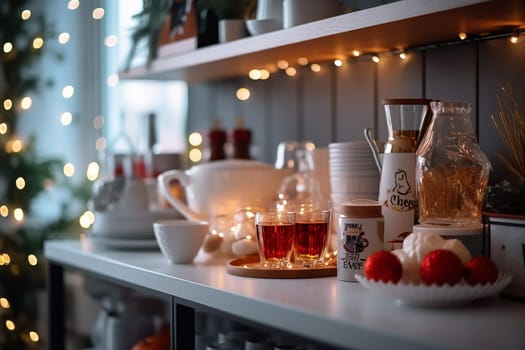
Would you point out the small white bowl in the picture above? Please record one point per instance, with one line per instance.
(261, 26)
(180, 240)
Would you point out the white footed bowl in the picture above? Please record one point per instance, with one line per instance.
(180, 240)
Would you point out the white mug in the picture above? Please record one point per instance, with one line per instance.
(297, 12)
(269, 9)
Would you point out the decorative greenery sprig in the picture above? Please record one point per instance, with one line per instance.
(507, 196)
(510, 123)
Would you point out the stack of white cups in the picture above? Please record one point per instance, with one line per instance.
(353, 175)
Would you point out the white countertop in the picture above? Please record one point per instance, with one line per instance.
(339, 313)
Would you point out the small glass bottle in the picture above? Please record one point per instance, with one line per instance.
(452, 171)
(217, 139)
(242, 138)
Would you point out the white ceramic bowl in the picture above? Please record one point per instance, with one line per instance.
(180, 240)
(261, 26)
(355, 185)
(129, 225)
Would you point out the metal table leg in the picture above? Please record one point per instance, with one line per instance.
(55, 286)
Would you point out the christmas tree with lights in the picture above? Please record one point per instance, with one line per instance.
(23, 176)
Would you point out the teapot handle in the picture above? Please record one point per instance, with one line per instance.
(164, 185)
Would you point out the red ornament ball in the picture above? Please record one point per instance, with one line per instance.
(383, 266)
(480, 270)
(441, 266)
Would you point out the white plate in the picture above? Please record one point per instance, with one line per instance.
(129, 225)
(123, 244)
(434, 296)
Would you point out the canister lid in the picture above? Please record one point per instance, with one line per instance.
(361, 208)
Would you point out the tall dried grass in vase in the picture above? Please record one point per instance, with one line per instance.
(508, 195)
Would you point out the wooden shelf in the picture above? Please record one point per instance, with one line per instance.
(397, 25)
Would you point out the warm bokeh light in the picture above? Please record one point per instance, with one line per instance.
(195, 139)
(66, 118)
(4, 211)
(15, 145)
(254, 74)
(98, 13)
(242, 94)
(290, 71)
(25, 15)
(3, 128)
(73, 4)
(282, 64)
(195, 155)
(514, 39)
(356, 53)
(63, 38)
(375, 58)
(315, 67)
(68, 91)
(34, 336)
(32, 259)
(86, 219)
(5, 259)
(38, 42)
(302, 61)
(8, 104)
(338, 63)
(20, 183)
(462, 35)
(18, 214)
(101, 143)
(10, 325)
(98, 122)
(26, 102)
(93, 171)
(265, 74)
(7, 47)
(69, 169)
(111, 40)
(4, 303)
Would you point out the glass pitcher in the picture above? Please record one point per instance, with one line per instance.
(452, 171)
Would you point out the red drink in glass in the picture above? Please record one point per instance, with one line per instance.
(310, 240)
(311, 237)
(275, 236)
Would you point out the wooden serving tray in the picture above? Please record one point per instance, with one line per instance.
(250, 266)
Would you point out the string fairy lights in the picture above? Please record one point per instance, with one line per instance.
(463, 38)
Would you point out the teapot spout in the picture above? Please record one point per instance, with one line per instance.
(373, 146)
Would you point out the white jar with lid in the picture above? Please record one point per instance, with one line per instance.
(360, 233)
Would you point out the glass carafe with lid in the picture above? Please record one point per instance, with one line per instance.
(451, 169)
(397, 190)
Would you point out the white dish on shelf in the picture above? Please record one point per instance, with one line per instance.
(434, 296)
(261, 26)
(129, 225)
(122, 243)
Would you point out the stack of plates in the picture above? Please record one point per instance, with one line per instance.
(127, 230)
(353, 172)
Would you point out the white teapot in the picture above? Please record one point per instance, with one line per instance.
(223, 187)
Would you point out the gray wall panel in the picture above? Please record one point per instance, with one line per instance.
(397, 79)
(354, 101)
(317, 111)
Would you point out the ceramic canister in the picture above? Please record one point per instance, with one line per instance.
(360, 233)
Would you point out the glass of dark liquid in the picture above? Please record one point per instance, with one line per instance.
(275, 236)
